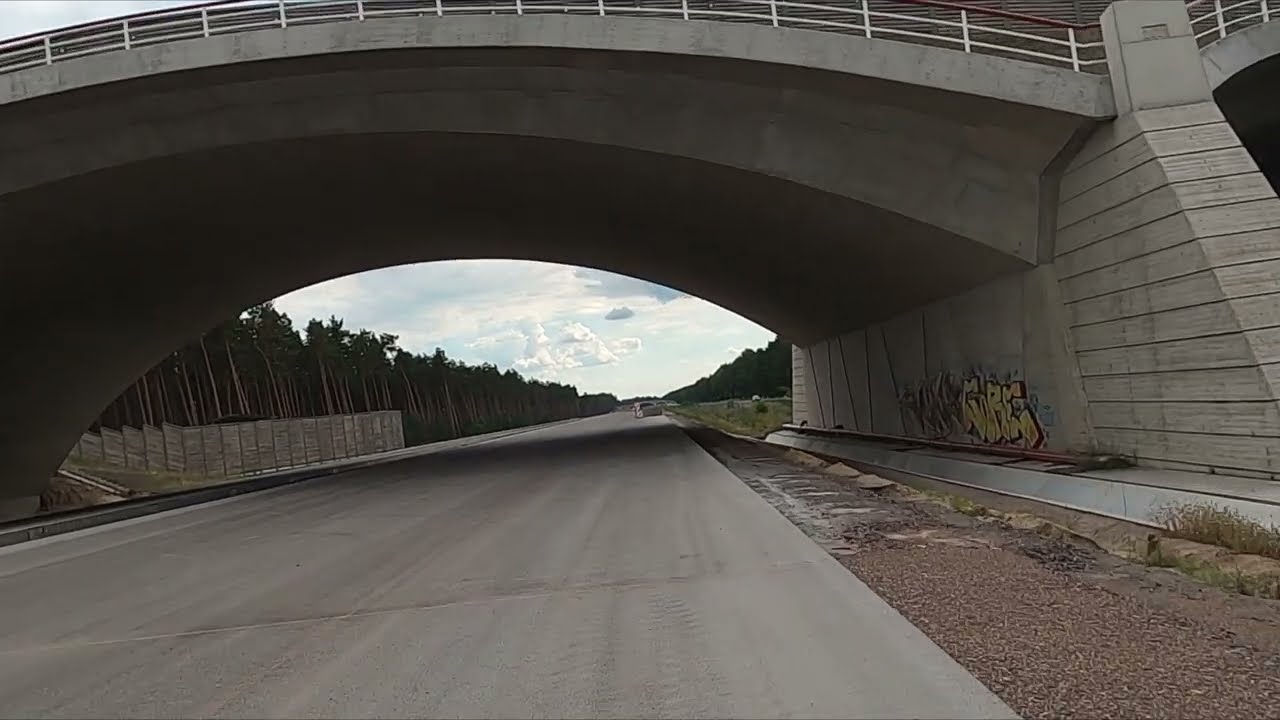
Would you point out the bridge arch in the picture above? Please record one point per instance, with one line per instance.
(1239, 51)
(1244, 70)
(811, 182)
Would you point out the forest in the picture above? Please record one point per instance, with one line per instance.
(765, 372)
(258, 365)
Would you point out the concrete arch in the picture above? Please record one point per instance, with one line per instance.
(808, 181)
(1244, 72)
(1239, 51)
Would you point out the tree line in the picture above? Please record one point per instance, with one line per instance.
(765, 372)
(258, 366)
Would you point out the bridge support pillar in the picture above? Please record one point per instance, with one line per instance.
(1168, 253)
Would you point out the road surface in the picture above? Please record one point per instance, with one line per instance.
(603, 568)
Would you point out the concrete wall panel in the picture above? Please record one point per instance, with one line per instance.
(297, 443)
(154, 441)
(265, 440)
(818, 384)
(175, 449)
(324, 437)
(135, 448)
(1215, 351)
(112, 447)
(91, 448)
(214, 460)
(799, 387)
(250, 458)
(232, 457)
(282, 443)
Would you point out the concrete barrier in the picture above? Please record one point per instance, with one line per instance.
(21, 531)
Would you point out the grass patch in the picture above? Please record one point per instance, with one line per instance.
(756, 419)
(1213, 572)
(1221, 526)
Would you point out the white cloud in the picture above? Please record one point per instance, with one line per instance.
(542, 319)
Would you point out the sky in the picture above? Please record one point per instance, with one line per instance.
(598, 331)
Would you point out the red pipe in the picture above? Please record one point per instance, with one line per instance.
(1002, 451)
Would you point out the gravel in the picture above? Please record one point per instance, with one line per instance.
(1056, 629)
(1055, 647)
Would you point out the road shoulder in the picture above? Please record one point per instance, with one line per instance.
(1055, 627)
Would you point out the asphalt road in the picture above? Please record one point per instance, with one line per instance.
(604, 568)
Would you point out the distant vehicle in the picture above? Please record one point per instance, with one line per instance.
(755, 398)
(647, 409)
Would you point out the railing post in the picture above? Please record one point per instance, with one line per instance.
(360, 9)
(519, 8)
(283, 22)
(773, 11)
(1222, 25)
(1266, 10)
(124, 24)
(204, 21)
(439, 9)
(684, 9)
(866, 19)
(600, 7)
(48, 51)
(964, 29)
(1075, 49)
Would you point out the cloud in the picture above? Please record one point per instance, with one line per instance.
(576, 346)
(605, 284)
(545, 320)
(620, 313)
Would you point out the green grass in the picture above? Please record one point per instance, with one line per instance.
(756, 419)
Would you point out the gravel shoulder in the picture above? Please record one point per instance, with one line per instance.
(1057, 627)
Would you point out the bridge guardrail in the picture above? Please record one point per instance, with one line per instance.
(1213, 20)
(932, 22)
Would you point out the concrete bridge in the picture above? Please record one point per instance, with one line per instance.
(954, 199)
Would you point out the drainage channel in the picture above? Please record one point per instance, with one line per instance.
(1109, 496)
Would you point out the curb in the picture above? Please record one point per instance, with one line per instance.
(20, 531)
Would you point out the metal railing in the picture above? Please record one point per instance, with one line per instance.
(1213, 20)
(933, 22)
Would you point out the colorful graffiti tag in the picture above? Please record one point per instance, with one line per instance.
(991, 410)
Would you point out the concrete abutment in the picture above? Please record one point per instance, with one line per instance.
(1150, 329)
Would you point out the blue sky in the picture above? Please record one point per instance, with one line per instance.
(548, 321)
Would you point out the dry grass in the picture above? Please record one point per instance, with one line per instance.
(1221, 526)
(1217, 573)
(756, 419)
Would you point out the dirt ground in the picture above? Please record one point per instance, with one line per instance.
(1056, 626)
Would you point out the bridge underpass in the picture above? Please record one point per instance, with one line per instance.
(783, 174)
(946, 217)
(455, 586)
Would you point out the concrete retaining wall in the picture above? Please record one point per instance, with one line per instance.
(989, 366)
(236, 449)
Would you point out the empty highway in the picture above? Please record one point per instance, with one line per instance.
(601, 568)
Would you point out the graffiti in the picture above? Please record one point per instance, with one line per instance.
(982, 406)
(937, 405)
(1001, 412)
